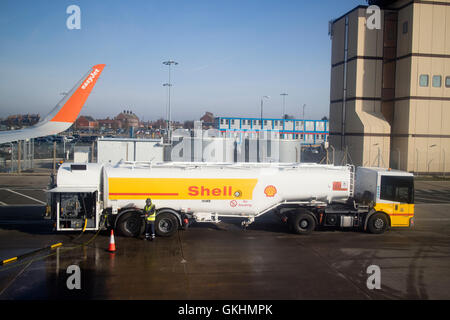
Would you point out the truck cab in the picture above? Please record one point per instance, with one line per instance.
(390, 192)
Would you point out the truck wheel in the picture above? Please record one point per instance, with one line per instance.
(378, 223)
(130, 224)
(166, 224)
(302, 223)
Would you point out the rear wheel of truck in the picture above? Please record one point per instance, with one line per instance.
(302, 223)
(166, 224)
(130, 224)
(378, 223)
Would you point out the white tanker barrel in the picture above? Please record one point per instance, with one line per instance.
(240, 190)
(305, 183)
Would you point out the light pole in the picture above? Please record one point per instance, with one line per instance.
(429, 162)
(443, 169)
(262, 102)
(304, 124)
(284, 103)
(169, 85)
(417, 162)
(378, 155)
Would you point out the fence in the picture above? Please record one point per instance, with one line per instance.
(36, 157)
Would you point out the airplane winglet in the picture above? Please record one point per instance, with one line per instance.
(71, 107)
(63, 114)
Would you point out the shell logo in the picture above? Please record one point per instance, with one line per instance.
(270, 191)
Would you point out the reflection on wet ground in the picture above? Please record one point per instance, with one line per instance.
(226, 262)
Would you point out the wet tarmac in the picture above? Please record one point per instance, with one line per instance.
(226, 262)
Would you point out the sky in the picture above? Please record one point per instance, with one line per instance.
(230, 54)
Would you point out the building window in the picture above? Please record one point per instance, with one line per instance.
(405, 27)
(265, 122)
(423, 80)
(437, 81)
(232, 121)
(447, 82)
(226, 121)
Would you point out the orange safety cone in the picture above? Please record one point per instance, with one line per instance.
(112, 243)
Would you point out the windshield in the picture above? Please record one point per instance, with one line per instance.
(398, 189)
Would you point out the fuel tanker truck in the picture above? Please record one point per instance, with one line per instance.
(305, 196)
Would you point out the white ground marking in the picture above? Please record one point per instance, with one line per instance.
(24, 195)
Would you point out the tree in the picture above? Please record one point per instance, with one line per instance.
(188, 124)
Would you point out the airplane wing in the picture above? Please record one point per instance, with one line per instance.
(63, 115)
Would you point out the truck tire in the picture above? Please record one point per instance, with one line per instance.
(378, 223)
(302, 223)
(166, 224)
(130, 224)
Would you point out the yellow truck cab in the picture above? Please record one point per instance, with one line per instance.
(390, 192)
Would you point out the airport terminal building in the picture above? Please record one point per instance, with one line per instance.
(390, 86)
(311, 132)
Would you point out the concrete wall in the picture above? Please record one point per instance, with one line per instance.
(112, 150)
(366, 135)
(423, 113)
(387, 112)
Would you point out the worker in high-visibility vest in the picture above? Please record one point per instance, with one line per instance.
(150, 215)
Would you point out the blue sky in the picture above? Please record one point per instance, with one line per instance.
(230, 53)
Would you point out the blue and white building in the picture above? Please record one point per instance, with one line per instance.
(311, 132)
